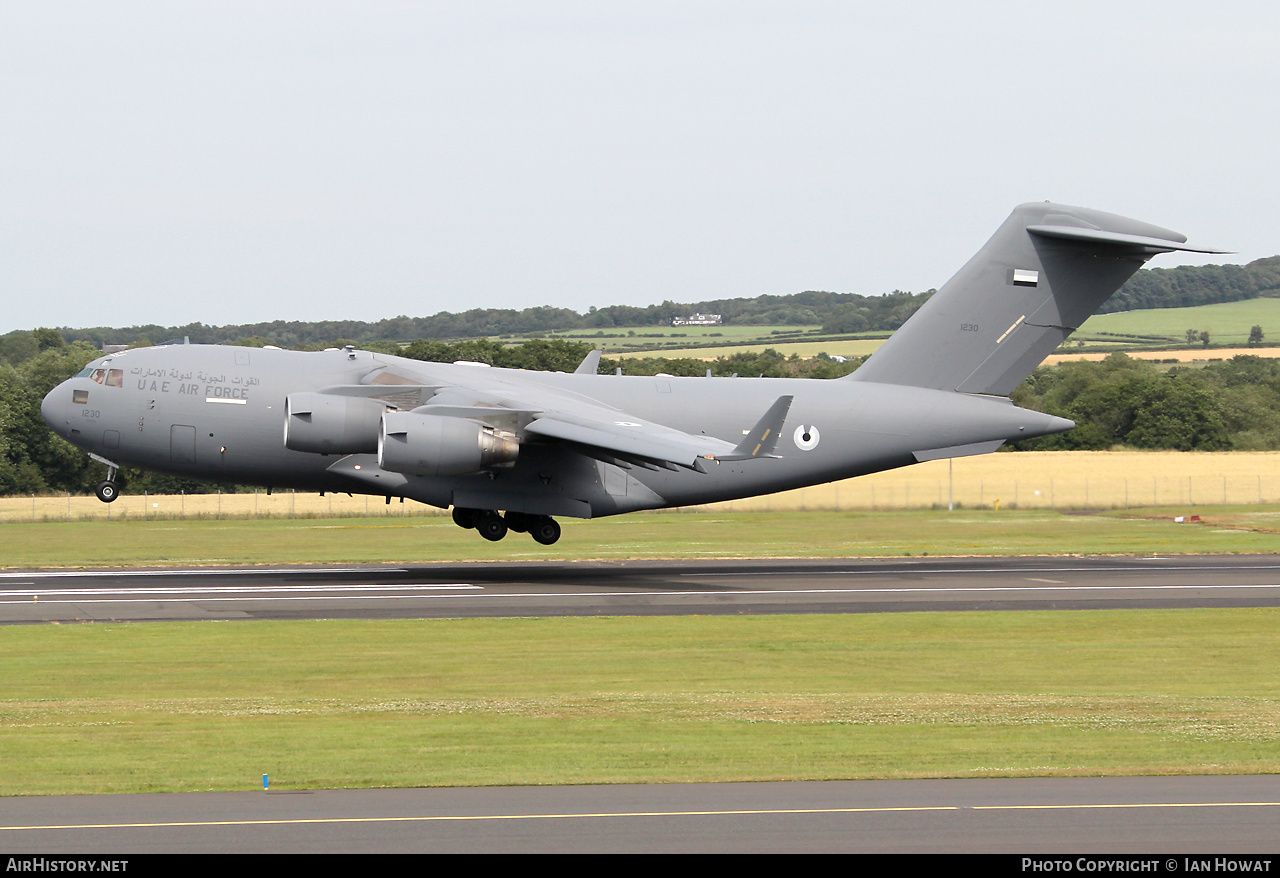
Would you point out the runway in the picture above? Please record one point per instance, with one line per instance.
(640, 588)
(1040, 816)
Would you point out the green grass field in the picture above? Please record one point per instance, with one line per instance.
(1227, 323)
(680, 334)
(711, 534)
(215, 705)
(855, 347)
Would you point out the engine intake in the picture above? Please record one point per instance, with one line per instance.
(322, 423)
(432, 445)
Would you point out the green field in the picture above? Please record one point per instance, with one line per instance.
(854, 347)
(1227, 323)
(642, 340)
(711, 534)
(680, 334)
(215, 705)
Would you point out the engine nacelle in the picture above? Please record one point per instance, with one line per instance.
(324, 423)
(431, 445)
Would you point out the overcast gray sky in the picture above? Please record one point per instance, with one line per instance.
(231, 162)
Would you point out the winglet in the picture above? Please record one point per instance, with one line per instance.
(590, 364)
(763, 437)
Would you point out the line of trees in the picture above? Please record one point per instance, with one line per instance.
(837, 313)
(1190, 285)
(32, 459)
(1229, 405)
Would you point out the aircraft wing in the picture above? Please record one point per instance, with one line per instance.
(552, 415)
(547, 414)
(599, 430)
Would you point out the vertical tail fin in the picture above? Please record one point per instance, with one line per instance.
(1044, 271)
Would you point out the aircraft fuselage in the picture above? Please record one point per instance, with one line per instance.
(217, 413)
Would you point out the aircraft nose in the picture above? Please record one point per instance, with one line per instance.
(53, 408)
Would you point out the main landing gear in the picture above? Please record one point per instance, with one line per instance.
(494, 526)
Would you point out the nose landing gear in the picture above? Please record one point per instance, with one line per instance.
(494, 526)
(107, 490)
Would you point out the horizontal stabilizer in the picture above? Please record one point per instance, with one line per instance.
(1141, 243)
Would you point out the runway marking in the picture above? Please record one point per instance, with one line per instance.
(233, 589)
(382, 571)
(243, 595)
(239, 571)
(981, 570)
(268, 593)
(746, 812)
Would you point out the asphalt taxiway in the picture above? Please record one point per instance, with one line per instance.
(639, 588)
(1147, 815)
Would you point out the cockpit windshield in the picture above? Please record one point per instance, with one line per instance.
(109, 377)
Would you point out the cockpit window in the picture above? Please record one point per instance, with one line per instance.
(109, 377)
(112, 378)
(85, 372)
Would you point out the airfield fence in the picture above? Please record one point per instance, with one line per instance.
(1032, 480)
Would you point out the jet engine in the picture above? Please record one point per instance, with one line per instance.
(324, 423)
(431, 445)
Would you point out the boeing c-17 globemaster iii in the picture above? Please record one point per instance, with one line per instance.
(510, 449)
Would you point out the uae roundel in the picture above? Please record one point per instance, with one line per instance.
(806, 438)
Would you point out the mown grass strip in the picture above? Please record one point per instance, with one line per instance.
(658, 535)
(215, 705)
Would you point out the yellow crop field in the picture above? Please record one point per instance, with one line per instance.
(1041, 480)
(858, 347)
(1189, 355)
(861, 347)
(1050, 479)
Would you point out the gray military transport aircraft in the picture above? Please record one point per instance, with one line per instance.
(509, 449)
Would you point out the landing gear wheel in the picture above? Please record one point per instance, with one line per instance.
(492, 526)
(464, 517)
(107, 491)
(545, 530)
(518, 522)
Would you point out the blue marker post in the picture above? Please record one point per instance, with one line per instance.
(264, 781)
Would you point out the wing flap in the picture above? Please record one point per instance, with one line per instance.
(668, 445)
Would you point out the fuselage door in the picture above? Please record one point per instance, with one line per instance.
(182, 444)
